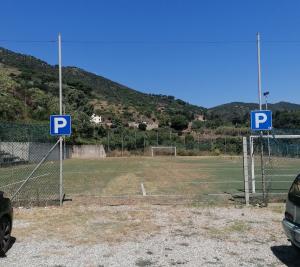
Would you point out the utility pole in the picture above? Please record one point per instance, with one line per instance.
(61, 113)
(25, 105)
(268, 132)
(135, 140)
(108, 148)
(259, 71)
(64, 139)
(261, 133)
(122, 142)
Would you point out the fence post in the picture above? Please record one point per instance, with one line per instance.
(252, 164)
(245, 165)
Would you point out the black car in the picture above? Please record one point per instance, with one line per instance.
(6, 220)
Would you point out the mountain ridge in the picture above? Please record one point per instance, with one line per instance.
(29, 92)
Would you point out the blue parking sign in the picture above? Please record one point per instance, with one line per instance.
(60, 125)
(261, 120)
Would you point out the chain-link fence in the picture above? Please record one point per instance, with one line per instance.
(136, 142)
(29, 164)
(272, 175)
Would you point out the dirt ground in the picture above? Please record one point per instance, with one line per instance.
(91, 233)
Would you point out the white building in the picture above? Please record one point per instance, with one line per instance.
(133, 124)
(96, 119)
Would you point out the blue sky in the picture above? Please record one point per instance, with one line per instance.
(160, 46)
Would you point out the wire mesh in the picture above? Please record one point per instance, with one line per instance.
(22, 148)
(281, 159)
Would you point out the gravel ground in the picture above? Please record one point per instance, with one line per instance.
(148, 235)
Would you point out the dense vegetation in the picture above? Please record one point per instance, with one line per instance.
(29, 93)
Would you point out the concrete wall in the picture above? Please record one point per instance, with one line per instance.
(88, 152)
(38, 150)
(17, 149)
(34, 152)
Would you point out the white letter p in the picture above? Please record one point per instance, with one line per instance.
(260, 118)
(59, 123)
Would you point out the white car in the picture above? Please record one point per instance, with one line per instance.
(291, 221)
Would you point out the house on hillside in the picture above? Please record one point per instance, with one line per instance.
(133, 124)
(151, 126)
(199, 117)
(96, 119)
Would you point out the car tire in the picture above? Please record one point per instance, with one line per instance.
(5, 237)
(295, 247)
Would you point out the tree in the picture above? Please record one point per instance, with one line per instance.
(142, 126)
(179, 122)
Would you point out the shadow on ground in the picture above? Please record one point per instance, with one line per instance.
(11, 243)
(288, 255)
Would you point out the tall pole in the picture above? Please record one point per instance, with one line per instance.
(64, 139)
(135, 140)
(60, 112)
(259, 71)
(261, 133)
(252, 164)
(108, 148)
(269, 147)
(122, 143)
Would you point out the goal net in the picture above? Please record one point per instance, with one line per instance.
(163, 151)
(279, 164)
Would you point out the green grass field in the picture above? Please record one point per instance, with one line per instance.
(187, 176)
(280, 173)
(159, 175)
(197, 177)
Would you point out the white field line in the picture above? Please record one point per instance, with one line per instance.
(278, 175)
(225, 194)
(35, 177)
(269, 193)
(209, 182)
(143, 190)
(279, 181)
(219, 194)
(283, 175)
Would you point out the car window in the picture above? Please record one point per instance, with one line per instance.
(294, 193)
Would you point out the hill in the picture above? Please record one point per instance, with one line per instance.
(238, 112)
(29, 91)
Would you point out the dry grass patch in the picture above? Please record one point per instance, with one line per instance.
(128, 184)
(225, 232)
(82, 224)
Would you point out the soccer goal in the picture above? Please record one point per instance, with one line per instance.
(163, 151)
(278, 150)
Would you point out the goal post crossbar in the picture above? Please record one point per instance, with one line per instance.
(277, 136)
(173, 148)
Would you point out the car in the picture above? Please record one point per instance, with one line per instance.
(291, 221)
(6, 222)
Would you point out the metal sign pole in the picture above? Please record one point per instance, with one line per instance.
(246, 173)
(260, 108)
(60, 112)
(252, 164)
(259, 71)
